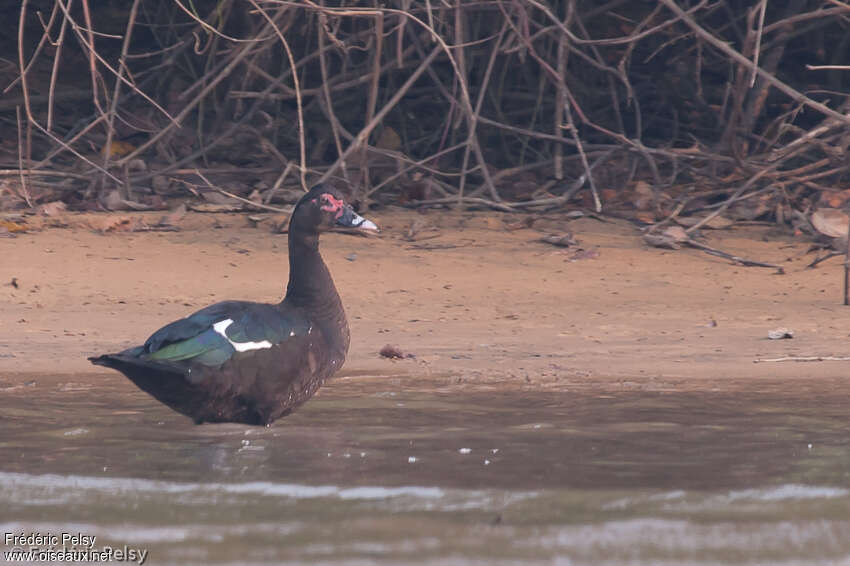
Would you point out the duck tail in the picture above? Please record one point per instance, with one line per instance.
(127, 362)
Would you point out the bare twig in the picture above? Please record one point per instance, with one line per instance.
(847, 270)
(794, 94)
(507, 73)
(241, 199)
(363, 135)
(291, 58)
(24, 192)
(113, 106)
(731, 257)
(804, 359)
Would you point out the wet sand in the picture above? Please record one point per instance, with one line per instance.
(480, 303)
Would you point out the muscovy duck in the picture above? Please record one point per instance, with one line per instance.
(251, 363)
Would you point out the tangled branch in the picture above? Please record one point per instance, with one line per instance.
(508, 104)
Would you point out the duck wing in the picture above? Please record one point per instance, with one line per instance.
(213, 335)
(234, 361)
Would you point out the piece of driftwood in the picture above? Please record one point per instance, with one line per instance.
(804, 359)
(674, 237)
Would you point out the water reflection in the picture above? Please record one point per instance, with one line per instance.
(397, 471)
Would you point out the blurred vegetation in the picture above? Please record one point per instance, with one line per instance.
(657, 109)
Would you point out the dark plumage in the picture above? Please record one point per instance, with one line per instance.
(251, 363)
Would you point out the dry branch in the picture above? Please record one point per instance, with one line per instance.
(480, 96)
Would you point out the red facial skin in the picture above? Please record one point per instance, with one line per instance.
(332, 204)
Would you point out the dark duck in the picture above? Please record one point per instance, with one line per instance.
(252, 363)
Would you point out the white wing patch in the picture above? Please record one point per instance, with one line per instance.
(222, 325)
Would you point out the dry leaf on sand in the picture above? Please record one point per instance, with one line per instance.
(12, 227)
(54, 208)
(113, 223)
(830, 222)
(561, 240)
(670, 238)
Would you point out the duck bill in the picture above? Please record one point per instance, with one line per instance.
(350, 219)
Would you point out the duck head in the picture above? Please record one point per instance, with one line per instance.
(323, 208)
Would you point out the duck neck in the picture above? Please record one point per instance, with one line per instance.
(312, 288)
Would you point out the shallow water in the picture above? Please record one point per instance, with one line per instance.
(390, 471)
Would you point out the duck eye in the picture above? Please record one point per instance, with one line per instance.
(329, 203)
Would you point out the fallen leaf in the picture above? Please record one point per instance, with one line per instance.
(830, 222)
(780, 334)
(834, 199)
(119, 148)
(643, 196)
(669, 238)
(12, 227)
(111, 223)
(608, 195)
(561, 240)
(256, 219)
(54, 208)
(677, 234)
(645, 216)
(523, 224)
(113, 201)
